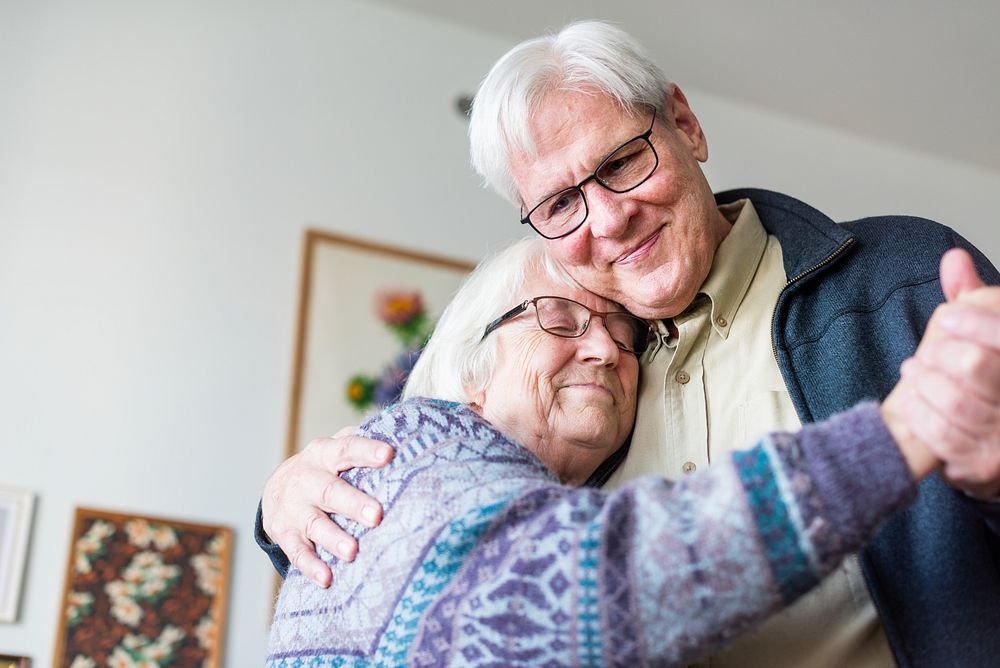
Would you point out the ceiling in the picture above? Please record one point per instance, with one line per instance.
(920, 73)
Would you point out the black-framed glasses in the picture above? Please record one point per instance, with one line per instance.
(624, 169)
(569, 319)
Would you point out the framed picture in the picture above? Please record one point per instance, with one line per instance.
(15, 527)
(143, 591)
(353, 298)
(9, 661)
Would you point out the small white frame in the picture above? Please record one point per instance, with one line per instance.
(16, 508)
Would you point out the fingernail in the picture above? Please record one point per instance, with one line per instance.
(369, 513)
(318, 575)
(382, 452)
(344, 548)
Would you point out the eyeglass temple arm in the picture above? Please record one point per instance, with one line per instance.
(520, 308)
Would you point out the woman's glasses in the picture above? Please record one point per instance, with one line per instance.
(569, 319)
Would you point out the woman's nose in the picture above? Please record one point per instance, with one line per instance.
(596, 344)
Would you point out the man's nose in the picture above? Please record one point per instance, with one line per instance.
(609, 213)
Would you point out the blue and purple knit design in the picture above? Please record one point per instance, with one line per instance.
(484, 559)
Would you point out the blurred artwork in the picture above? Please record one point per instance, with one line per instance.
(143, 591)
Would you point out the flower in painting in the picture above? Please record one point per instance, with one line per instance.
(171, 635)
(81, 564)
(139, 533)
(133, 575)
(360, 390)
(126, 611)
(207, 632)
(101, 530)
(118, 589)
(390, 384)
(90, 545)
(140, 652)
(164, 537)
(121, 659)
(208, 568)
(81, 661)
(404, 314)
(152, 588)
(218, 543)
(397, 307)
(79, 603)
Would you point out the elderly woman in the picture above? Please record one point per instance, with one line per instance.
(488, 555)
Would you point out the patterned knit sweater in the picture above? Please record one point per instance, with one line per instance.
(484, 559)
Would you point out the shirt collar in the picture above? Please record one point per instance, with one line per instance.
(735, 263)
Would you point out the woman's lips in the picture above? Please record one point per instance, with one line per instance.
(640, 251)
(593, 387)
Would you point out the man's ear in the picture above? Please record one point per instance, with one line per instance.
(686, 123)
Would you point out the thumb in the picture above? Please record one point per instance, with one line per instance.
(958, 274)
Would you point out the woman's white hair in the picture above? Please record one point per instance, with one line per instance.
(457, 363)
(583, 56)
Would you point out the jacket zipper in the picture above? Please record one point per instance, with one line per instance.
(827, 260)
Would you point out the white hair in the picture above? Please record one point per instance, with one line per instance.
(457, 363)
(583, 56)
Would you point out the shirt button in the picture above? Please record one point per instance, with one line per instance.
(689, 467)
(721, 322)
(682, 377)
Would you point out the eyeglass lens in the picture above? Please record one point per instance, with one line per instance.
(620, 172)
(569, 319)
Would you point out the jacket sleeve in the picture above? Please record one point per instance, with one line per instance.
(274, 553)
(665, 572)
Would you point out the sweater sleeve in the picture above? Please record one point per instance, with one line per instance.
(665, 572)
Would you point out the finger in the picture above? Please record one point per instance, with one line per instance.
(301, 555)
(949, 398)
(970, 321)
(976, 369)
(340, 453)
(341, 498)
(326, 533)
(958, 274)
(933, 428)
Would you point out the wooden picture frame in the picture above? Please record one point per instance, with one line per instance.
(16, 509)
(338, 335)
(142, 588)
(11, 661)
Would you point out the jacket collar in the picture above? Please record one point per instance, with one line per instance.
(808, 237)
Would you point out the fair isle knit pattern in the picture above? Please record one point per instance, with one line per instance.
(484, 559)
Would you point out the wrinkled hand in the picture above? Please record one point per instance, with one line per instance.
(956, 375)
(306, 488)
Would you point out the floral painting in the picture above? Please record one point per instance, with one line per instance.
(365, 311)
(403, 313)
(143, 592)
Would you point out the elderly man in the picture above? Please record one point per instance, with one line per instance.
(770, 314)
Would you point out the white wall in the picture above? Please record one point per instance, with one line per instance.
(158, 163)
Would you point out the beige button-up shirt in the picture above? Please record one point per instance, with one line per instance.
(716, 388)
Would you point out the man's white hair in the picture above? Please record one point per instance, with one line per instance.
(457, 363)
(584, 56)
